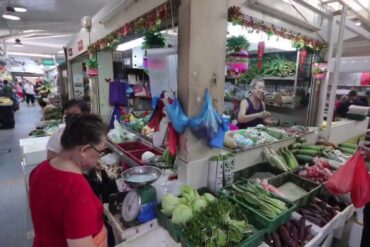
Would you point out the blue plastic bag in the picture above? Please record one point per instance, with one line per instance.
(218, 140)
(207, 123)
(177, 116)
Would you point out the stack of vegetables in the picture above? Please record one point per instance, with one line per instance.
(318, 212)
(256, 197)
(293, 233)
(319, 172)
(282, 159)
(305, 153)
(205, 220)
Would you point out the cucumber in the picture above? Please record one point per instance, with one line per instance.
(308, 152)
(294, 146)
(304, 158)
(348, 145)
(294, 151)
(312, 147)
(347, 150)
(301, 140)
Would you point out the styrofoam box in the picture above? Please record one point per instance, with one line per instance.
(345, 215)
(34, 149)
(355, 235)
(328, 241)
(360, 110)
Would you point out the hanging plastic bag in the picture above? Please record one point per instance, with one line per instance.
(341, 181)
(360, 193)
(156, 116)
(172, 139)
(218, 140)
(177, 116)
(207, 123)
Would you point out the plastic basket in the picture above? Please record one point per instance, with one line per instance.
(248, 172)
(131, 146)
(311, 187)
(253, 214)
(166, 223)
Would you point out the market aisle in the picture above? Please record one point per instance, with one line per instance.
(14, 217)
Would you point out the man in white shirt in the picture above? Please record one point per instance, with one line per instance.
(70, 108)
(30, 93)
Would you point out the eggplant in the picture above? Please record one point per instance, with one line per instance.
(284, 235)
(276, 239)
(268, 239)
(294, 233)
(302, 223)
(316, 221)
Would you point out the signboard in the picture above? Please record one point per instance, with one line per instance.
(47, 62)
(80, 45)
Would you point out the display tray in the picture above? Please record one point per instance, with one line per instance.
(131, 146)
(238, 150)
(261, 171)
(300, 199)
(270, 224)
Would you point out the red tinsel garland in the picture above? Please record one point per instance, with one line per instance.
(300, 41)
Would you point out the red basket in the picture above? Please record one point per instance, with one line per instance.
(132, 146)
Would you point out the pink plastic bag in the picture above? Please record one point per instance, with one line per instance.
(360, 193)
(341, 181)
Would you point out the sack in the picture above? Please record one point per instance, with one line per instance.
(341, 181)
(360, 193)
(177, 116)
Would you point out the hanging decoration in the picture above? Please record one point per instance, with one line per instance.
(319, 70)
(92, 68)
(237, 56)
(302, 58)
(260, 52)
(299, 41)
(139, 25)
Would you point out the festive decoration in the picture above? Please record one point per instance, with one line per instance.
(154, 39)
(299, 41)
(92, 68)
(139, 25)
(237, 57)
(319, 70)
(302, 58)
(260, 52)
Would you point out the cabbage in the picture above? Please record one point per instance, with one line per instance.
(181, 214)
(189, 193)
(199, 204)
(169, 203)
(209, 197)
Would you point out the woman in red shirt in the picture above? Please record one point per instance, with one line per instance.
(64, 209)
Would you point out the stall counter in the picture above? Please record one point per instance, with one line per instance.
(346, 129)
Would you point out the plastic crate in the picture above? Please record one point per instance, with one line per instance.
(248, 172)
(270, 224)
(136, 155)
(132, 146)
(166, 223)
(311, 187)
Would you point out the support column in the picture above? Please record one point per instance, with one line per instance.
(105, 60)
(202, 42)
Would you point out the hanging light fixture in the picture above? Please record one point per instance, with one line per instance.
(11, 8)
(9, 16)
(18, 43)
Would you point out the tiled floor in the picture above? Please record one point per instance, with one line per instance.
(16, 226)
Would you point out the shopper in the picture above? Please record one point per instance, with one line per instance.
(366, 230)
(64, 209)
(71, 107)
(19, 91)
(252, 110)
(30, 93)
(7, 90)
(348, 100)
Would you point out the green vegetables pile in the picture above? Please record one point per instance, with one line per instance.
(256, 197)
(221, 224)
(181, 209)
(139, 123)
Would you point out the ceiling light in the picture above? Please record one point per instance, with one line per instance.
(32, 30)
(11, 17)
(18, 43)
(61, 52)
(20, 9)
(358, 23)
(29, 54)
(131, 44)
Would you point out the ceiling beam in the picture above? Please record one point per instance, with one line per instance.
(315, 8)
(328, 1)
(350, 25)
(363, 17)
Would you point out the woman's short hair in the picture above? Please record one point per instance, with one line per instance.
(83, 129)
(254, 83)
(84, 107)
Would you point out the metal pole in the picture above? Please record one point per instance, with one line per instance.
(336, 69)
(325, 83)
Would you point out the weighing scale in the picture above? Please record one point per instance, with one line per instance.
(139, 204)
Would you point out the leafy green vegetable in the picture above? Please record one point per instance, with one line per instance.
(182, 214)
(209, 197)
(189, 193)
(198, 204)
(169, 202)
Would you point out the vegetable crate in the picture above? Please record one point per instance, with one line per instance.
(311, 187)
(132, 146)
(166, 223)
(256, 217)
(266, 168)
(252, 241)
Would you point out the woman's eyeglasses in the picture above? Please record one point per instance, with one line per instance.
(101, 153)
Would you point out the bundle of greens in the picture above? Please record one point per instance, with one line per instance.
(221, 224)
(256, 197)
